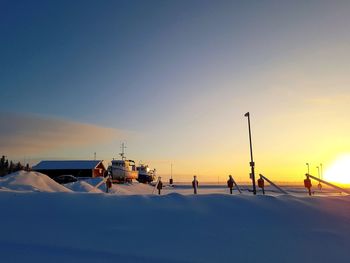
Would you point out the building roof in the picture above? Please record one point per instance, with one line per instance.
(67, 165)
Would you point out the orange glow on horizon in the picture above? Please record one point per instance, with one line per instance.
(339, 171)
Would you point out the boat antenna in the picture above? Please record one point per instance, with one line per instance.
(122, 153)
(171, 171)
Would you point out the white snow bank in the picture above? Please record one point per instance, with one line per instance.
(82, 186)
(134, 188)
(87, 228)
(30, 181)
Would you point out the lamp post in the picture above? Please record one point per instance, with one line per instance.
(321, 171)
(308, 168)
(319, 176)
(252, 164)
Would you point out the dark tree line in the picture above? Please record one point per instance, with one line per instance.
(7, 167)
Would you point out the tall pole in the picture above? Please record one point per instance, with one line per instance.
(171, 174)
(308, 168)
(319, 176)
(252, 164)
(321, 171)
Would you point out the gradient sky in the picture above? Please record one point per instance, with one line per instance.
(173, 80)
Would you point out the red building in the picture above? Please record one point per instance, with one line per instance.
(77, 168)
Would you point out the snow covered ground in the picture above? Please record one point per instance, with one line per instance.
(30, 181)
(130, 224)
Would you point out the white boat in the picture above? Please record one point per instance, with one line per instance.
(122, 170)
(145, 174)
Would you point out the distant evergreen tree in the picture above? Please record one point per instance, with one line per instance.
(19, 167)
(2, 162)
(11, 167)
(3, 166)
(6, 168)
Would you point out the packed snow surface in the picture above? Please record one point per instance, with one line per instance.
(43, 221)
(80, 227)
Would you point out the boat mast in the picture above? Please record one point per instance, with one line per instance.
(122, 153)
(171, 171)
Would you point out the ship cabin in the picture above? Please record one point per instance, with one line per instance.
(128, 165)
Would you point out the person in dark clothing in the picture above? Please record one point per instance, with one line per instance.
(108, 184)
(230, 183)
(159, 186)
(195, 184)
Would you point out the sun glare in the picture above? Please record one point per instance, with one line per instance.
(339, 171)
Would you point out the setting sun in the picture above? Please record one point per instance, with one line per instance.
(339, 171)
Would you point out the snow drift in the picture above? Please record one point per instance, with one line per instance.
(30, 181)
(88, 185)
(132, 189)
(57, 227)
(38, 182)
(83, 186)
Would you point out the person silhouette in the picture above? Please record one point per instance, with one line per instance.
(195, 184)
(230, 183)
(159, 186)
(108, 184)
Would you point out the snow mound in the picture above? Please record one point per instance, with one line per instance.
(88, 184)
(134, 188)
(83, 186)
(30, 182)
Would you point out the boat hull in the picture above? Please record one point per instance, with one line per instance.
(145, 178)
(119, 174)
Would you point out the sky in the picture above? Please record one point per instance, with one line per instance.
(173, 80)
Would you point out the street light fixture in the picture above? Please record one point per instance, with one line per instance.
(252, 164)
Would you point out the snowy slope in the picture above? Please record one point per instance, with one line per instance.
(58, 227)
(132, 189)
(30, 181)
(82, 186)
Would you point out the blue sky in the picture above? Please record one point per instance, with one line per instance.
(174, 78)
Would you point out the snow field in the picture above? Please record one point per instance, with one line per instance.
(60, 227)
(43, 221)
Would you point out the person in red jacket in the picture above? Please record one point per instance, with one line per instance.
(230, 183)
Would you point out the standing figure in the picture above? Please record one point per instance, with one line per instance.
(230, 183)
(308, 184)
(195, 184)
(108, 184)
(159, 185)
